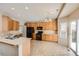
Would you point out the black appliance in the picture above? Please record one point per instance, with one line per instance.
(30, 30)
(39, 33)
(39, 28)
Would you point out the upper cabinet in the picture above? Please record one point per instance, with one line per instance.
(5, 24)
(9, 24)
(51, 25)
(54, 25)
(15, 25)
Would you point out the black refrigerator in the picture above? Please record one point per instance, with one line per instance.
(30, 31)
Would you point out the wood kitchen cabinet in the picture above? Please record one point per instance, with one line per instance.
(8, 24)
(54, 25)
(15, 25)
(53, 37)
(50, 25)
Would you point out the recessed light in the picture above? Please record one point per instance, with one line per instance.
(12, 8)
(26, 8)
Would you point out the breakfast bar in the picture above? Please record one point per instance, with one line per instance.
(23, 44)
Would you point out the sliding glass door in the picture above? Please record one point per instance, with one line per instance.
(77, 46)
(73, 30)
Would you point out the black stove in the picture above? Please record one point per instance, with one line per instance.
(39, 35)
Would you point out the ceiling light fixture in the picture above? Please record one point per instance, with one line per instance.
(26, 8)
(12, 8)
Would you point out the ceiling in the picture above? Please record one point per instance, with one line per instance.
(36, 11)
(69, 8)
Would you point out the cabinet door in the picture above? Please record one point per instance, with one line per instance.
(10, 24)
(54, 25)
(45, 25)
(15, 25)
(27, 24)
(4, 23)
(50, 37)
(55, 37)
(43, 37)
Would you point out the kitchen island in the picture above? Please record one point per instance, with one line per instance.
(23, 44)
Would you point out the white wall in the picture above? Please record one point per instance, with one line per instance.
(74, 15)
(22, 28)
(63, 40)
(22, 22)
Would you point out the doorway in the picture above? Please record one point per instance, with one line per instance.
(73, 31)
(77, 42)
(74, 40)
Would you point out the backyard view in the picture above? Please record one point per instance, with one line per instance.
(75, 36)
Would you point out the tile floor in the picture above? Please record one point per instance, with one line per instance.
(44, 48)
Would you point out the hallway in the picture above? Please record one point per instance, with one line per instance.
(43, 48)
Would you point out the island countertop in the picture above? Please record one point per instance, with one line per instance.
(22, 42)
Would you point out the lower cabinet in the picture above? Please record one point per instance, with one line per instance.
(47, 37)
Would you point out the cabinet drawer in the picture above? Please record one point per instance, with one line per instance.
(50, 37)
